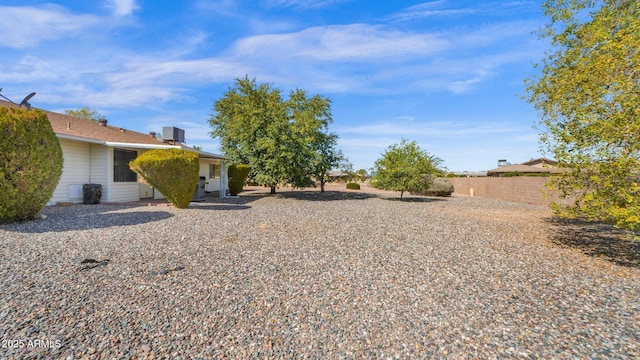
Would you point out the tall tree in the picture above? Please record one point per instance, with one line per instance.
(327, 157)
(85, 113)
(406, 167)
(588, 97)
(276, 137)
(309, 119)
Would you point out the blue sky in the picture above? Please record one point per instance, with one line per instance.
(447, 74)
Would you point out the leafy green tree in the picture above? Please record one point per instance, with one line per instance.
(362, 175)
(588, 97)
(249, 121)
(277, 138)
(30, 163)
(173, 172)
(313, 147)
(405, 167)
(347, 174)
(85, 113)
(327, 157)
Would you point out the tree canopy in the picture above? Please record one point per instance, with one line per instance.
(588, 95)
(405, 167)
(326, 157)
(85, 113)
(284, 141)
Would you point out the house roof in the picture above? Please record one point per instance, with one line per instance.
(540, 165)
(69, 127)
(539, 161)
(89, 129)
(518, 168)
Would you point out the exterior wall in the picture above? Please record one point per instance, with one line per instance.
(93, 163)
(120, 191)
(75, 172)
(211, 183)
(523, 189)
(123, 192)
(158, 195)
(99, 159)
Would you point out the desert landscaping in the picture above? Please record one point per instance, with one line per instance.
(304, 274)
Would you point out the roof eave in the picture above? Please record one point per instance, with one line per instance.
(201, 154)
(80, 138)
(205, 154)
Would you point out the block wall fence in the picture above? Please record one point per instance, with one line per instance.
(523, 189)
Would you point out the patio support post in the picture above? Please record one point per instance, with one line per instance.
(223, 179)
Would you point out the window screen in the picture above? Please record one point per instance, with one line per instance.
(121, 170)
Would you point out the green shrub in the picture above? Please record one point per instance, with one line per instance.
(511, 174)
(173, 172)
(30, 163)
(439, 187)
(353, 186)
(237, 176)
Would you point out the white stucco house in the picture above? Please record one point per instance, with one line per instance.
(98, 153)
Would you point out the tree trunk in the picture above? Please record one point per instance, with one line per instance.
(321, 186)
(273, 189)
(401, 192)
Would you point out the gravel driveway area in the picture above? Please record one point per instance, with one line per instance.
(302, 274)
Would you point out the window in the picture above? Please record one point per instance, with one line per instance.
(214, 171)
(121, 170)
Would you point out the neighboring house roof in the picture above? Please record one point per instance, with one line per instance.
(517, 168)
(74, 128)
(539, 162)
(540, 165)
(470, 173)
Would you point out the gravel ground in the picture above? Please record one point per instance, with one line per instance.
(310, 275)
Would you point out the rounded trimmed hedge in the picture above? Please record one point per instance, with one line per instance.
(237, 175)
(30, 163)
(438, 187)
(353, 186)
(173, 172)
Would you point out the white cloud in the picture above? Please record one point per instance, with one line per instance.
(145, 82)
(174, 72)
(328, 59)
(303, 4)
(496, 33)
(122, 7)
(356, 42)
(465, 86)
(345, 58)
(406, 127)
(26, 26)
(30, 69)
(426, 10)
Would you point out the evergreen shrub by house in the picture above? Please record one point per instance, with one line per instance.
(353, 186)
(173, 172)
(30, 163)
(237, 176)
